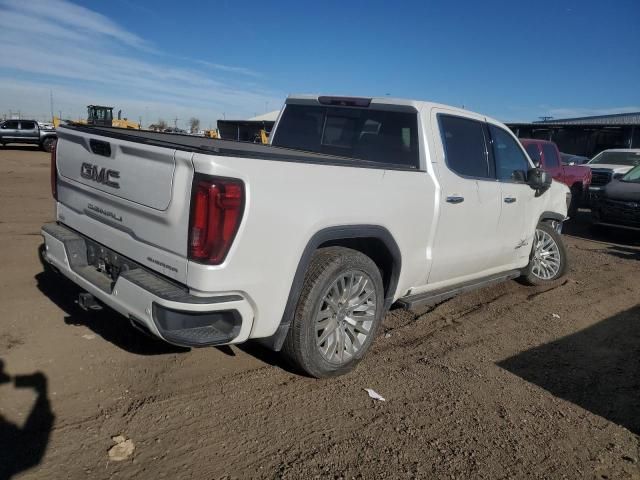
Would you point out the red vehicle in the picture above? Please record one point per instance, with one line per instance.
(576, 177)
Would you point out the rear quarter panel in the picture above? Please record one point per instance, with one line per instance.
(288, 202)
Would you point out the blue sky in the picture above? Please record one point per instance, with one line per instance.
(168, 59)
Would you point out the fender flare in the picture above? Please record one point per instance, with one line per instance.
(342, 232)
(551, 216)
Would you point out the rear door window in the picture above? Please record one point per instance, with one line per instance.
(11, 125)
(380, 136)
(465, 146)
(511, 162)
(534, 153)
(551, 159)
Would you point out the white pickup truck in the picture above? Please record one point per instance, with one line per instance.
(357, 204)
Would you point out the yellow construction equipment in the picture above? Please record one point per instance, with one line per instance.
(103, 116)
(100, 115)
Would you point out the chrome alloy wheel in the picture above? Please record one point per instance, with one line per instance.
(345, 318)
(546, 256)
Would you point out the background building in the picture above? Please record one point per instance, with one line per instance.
(585, 136)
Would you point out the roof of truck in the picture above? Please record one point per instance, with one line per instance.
(390, 101)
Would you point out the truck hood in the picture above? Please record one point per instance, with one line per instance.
(614, 168)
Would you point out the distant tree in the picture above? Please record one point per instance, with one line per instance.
(194, 124)
(162, 124)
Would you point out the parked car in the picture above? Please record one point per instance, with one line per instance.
(27, 131)
(570, 159)
(607, 165)
(619, 205)
(305, 243)
(576, 177)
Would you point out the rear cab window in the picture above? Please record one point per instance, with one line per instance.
(534, 153)
(551, 159)
(381, 136)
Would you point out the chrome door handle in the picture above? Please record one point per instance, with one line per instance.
(455, 199)
(510, 199)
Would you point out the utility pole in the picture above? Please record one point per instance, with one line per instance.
(175, 122)
(51, 102)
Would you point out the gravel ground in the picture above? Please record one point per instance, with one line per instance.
(506, 382)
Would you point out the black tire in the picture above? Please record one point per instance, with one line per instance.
(576, 200)
(327, 268)
(48, 144)
(529, 275)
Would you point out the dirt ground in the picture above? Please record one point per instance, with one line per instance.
(506, 382)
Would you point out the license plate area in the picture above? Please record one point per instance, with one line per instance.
(107, 262)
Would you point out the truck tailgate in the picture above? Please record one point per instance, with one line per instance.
(131, 197)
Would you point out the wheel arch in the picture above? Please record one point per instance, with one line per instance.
(551, 216)
(373, 240)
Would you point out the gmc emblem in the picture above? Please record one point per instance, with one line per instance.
(100, 175)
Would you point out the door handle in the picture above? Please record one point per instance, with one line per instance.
(455, 199)
(510, 199)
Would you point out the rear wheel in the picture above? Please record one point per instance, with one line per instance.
(48, 144)
(548, 261)
(338, 314)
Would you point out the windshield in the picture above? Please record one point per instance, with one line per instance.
(632, 175)
(631, 158)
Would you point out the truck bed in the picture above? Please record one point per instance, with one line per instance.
(227, 148)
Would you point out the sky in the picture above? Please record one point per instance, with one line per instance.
(515, 61)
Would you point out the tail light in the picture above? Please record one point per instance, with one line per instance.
(54, 173)
(217, 205)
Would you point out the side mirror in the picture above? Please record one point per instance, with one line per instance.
(539, 180)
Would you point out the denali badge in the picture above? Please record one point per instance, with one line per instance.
(106, 213)
(100, 175)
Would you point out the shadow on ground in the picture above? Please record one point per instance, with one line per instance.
(22, 447)
(582, 226)
(597, 368)
(107, 323)
(26, 148)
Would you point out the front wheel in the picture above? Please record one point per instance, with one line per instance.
(338, 313)
(48, 144)
(548, 261)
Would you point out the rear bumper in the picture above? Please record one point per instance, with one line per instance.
(165, 309)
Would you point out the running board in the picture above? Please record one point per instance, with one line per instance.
(431, 298)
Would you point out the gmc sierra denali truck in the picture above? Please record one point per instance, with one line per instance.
(357, 204)
(27, 131)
